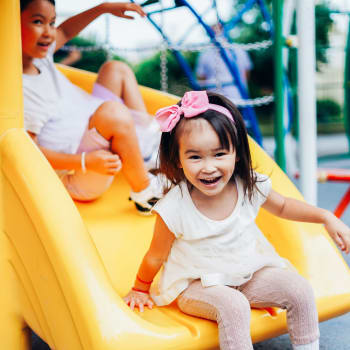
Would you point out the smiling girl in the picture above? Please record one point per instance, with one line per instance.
(86, 138)
(216, 262)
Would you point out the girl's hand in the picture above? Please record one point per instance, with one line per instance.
(103, 162)
(139, 300)
(338, 231)
(119, 8)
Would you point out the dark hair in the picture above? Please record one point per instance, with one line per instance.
(25, 3)
(229, 133)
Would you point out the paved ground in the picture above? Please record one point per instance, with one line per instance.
(335, 333)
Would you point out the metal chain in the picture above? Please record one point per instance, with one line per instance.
(218, 64)
(164, 69)
(217, 55)
(262, 45)
(254, 102)
(163, 55)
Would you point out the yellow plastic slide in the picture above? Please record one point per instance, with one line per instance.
(65, 266)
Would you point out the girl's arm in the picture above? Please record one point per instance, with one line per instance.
(293, 209)
(156, 255)
(101, 161)
(74, 25)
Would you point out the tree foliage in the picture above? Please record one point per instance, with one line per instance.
(252, 28)
(90, 60)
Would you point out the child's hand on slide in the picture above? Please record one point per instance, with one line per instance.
(103, 162)
(138, 299)
(339, 231)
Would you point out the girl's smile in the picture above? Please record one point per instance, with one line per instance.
(38, 32)
(205, 163)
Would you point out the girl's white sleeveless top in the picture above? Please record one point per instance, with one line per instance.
(225, 252)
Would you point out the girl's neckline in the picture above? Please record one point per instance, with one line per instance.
(232, 214)
(34, 75)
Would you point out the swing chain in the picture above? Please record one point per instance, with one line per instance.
(262, 45)
(163, 68)
(254, 102)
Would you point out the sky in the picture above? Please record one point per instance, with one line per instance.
(139, 32)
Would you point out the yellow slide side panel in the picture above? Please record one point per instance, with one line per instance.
(307, 246)
(72, 266)
(11, 105)
(68, 298)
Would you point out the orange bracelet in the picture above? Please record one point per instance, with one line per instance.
(144, 282)
(139, 290)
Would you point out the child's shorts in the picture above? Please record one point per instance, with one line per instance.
(91, 185)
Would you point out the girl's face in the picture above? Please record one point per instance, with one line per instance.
(38, 28)
(206, 165)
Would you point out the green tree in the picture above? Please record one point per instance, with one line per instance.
(148, 72)
(90, 60)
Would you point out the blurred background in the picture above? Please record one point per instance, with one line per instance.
(139, 44)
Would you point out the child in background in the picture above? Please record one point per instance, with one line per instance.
(217, 263)
(95, 136)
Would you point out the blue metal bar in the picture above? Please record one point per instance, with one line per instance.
(161, 10)
(181, 60)
(267, 16)
(183, 38)
(249, 111)
(247, 6)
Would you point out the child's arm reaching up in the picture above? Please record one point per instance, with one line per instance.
(74, 25)
(157, 253)
(293, 209)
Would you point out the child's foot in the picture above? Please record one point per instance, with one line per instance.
(147, 198)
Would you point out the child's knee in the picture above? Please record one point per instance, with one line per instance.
(116, 67)
(301, 294)
(233, 305)
(113, 117)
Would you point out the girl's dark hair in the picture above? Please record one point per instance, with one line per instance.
(25, 3)
(229, 133)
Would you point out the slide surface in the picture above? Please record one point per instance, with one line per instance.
(72, 262)
(65, 266)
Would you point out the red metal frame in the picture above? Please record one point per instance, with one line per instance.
(337, 175)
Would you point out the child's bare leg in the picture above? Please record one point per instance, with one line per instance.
(114, 122)
(120, 79)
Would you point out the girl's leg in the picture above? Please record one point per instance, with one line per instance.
(114, 122)
(225, 305)
(120, 79)
(288, 290)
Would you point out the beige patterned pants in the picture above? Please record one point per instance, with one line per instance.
(230, 307)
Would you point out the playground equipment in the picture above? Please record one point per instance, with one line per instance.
(224, 47)
(65, 265)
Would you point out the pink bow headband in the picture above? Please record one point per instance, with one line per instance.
(192, 104)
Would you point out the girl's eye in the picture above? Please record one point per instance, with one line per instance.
(52, 24)
(194, 157)
(38, 21)
(220, 154)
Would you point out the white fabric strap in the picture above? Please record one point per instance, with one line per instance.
(83, 165)
(311, 346)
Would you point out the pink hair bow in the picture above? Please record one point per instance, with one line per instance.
(192, 104)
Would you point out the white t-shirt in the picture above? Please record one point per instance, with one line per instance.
(56, 110)
(219, 252)
(211, 66)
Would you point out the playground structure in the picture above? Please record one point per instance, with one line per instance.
(65, 265)
(223, 44)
